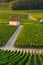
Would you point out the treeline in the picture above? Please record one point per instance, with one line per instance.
(27, 4)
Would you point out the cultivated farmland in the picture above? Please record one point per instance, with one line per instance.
(38, 14)
(30, 36)
(20, 58)
(4, 6)
(5, 16)
(6, 32)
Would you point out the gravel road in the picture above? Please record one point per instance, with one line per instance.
(10, 43)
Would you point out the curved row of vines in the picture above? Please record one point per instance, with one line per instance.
(20, 58)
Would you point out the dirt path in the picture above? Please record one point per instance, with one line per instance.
(10, 44)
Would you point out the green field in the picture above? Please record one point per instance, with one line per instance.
(36, 13)
(20, 58)
(4, 6)
(5, 16)
(6, 32)
(30, 36)
(21, 14)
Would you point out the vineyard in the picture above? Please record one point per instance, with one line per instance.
(23, 16)
(7, 14)
(34, 13)
(20, 58)
(4, 6)
(6, 32)
(31, 36)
